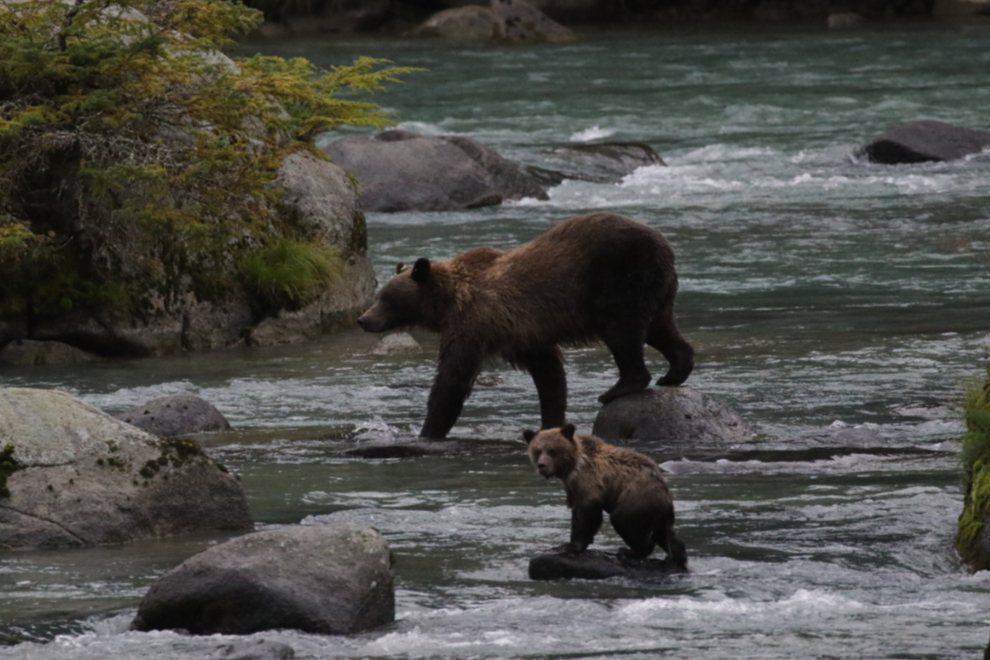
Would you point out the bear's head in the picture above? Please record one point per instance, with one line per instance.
(554, 452)
(400, 302)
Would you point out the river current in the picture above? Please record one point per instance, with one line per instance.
(839, 306)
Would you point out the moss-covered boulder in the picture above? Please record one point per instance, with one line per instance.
(973, 540)
(75, 476)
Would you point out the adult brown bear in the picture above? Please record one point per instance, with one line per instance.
(593, 276)
(601, 478)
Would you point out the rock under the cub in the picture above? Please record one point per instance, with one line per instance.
(598, 565)
(671, 415)
(925, 140)
(179, 414)
(326, 579)
(76, 476)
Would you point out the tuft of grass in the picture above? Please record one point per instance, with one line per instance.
(976, 463)
(290, 273)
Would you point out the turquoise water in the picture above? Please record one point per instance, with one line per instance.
(838, 306)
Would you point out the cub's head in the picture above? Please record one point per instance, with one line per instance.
(554, 452)
(400, 302)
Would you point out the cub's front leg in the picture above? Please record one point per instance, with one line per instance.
(586, 520)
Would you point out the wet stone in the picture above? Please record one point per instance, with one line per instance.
(598, 565)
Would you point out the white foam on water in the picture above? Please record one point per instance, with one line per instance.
(589, 134)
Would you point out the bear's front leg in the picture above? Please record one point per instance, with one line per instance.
(546, 366)
(459, 366)
(585, 523)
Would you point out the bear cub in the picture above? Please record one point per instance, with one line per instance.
(599, 276)
(599, 477)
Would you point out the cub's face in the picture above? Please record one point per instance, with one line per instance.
(553, 452)
(400, 302)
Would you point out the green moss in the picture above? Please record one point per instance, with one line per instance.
(976, 463)
(290, 273)
(8, 466)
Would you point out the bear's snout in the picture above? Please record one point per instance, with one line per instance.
(368, 324)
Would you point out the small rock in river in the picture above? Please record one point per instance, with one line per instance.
(598, 565)
(397, 343)
(171, 416)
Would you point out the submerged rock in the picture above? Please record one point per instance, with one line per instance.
(598, 565)
(922, 141)
(403, 171)
(598, 162)
(396, 343)
(175, 415)
(76, 476)
(260, 649)
(328, 579)
(673, 415)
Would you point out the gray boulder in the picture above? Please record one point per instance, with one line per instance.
(671, 415)
(403, 171)
(520, 23)
(28, 352)
(922, 141)
(598, 162)
(471, 23)
(175, 415)
(76, 476)
(328, 579)
(396, 343)
(260, 649)
(598, 565)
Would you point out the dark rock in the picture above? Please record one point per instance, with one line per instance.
(520, 23)
(403, 171)
(675, 415)
(328, 579)
(598, 162)
(85, 478)
(922, 141)
(845, 19)
(261, 649)
(28, 352)
(176, 415)
(598, 565)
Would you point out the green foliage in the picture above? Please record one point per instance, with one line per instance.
(136, 154)
(290, 273)
(976, 462)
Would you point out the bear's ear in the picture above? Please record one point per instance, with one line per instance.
(567, 430)
(421, 270)
(529, 434)
(400, 267)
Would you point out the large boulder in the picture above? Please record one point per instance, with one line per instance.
(471, 23)
(922, 141)
(75, 476)
(404, 171)
(175, 415)
(28, 352)
(328, 579)
(671, 415)
(597, 162)
(520, 23)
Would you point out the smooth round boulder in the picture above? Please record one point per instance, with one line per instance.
(397, 343)
(324, 579)
(403, 171)
(671, 415)
(75, 476)
(470, 23)
(175, 415)
(30, 352)
(924, 141)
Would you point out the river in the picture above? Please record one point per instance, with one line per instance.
(839, 306)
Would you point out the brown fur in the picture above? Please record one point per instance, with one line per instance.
(601, 477)
(594, 276)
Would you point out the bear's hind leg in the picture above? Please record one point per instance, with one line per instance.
(628, 524)
(663, 335)
(546, 366)
(627, 350)
(673, 546)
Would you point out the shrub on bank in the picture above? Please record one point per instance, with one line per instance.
(137, 161)
(973, 540)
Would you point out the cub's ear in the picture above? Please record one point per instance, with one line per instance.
(421, 270)
(567, 430)
(529, 434)
(400, 267)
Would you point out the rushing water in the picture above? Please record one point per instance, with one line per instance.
(839, 306)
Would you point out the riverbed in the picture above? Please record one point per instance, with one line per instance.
(840, 307)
